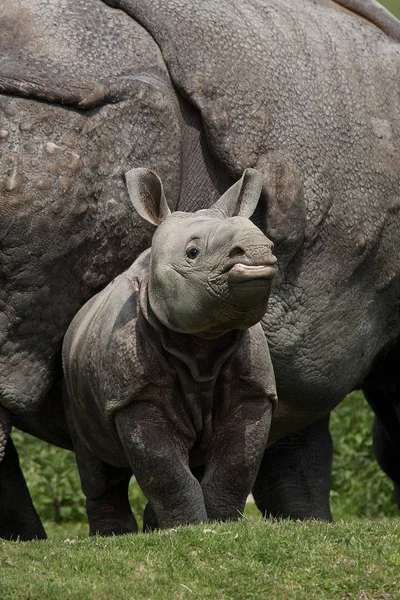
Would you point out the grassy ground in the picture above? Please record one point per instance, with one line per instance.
(358, 560)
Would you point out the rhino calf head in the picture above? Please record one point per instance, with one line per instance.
(210, 271)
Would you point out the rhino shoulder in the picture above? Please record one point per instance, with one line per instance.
(102, 316)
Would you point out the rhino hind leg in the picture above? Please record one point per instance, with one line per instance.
(150, 522)
(387, 454)
(106, 490)
(111, 514)
(18, 517)
(382, 390)
(295, 475)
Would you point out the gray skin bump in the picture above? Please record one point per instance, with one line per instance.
(167, 369)
(306, 92)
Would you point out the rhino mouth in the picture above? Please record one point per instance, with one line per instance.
(242, 272)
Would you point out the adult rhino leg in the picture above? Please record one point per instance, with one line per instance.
(387, 454)
(150, 522)
(382, 391)
(18, 517)
(295, 475)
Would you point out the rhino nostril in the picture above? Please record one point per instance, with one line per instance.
(236, 251)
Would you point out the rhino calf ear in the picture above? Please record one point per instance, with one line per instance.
(147, 195)
(241, 199)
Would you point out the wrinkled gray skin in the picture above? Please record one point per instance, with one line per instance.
(307, 93)
(161, 376)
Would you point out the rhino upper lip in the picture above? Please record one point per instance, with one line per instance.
(244, 261)
(241, 269)
(243, 272)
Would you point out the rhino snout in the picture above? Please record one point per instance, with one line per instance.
(257, 263)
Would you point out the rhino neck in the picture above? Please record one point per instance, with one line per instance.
(203, 357)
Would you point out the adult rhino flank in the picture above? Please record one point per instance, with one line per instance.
(307, 93)
(161, 377)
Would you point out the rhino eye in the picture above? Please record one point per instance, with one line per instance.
(192, 252)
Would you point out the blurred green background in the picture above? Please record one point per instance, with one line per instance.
(393, 5)
(359, 488)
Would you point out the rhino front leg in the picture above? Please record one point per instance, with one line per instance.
(149, 517)
(233, 464)
(160, 464)
(295, 475)
(18, 517)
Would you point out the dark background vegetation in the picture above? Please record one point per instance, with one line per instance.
(359, 488)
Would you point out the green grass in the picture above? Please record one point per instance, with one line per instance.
(247, 560)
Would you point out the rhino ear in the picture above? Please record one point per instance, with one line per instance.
(241, 199)
(147, 195)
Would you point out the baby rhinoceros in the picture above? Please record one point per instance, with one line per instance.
(167, 370)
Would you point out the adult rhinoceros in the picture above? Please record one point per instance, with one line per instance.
(308, 93)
